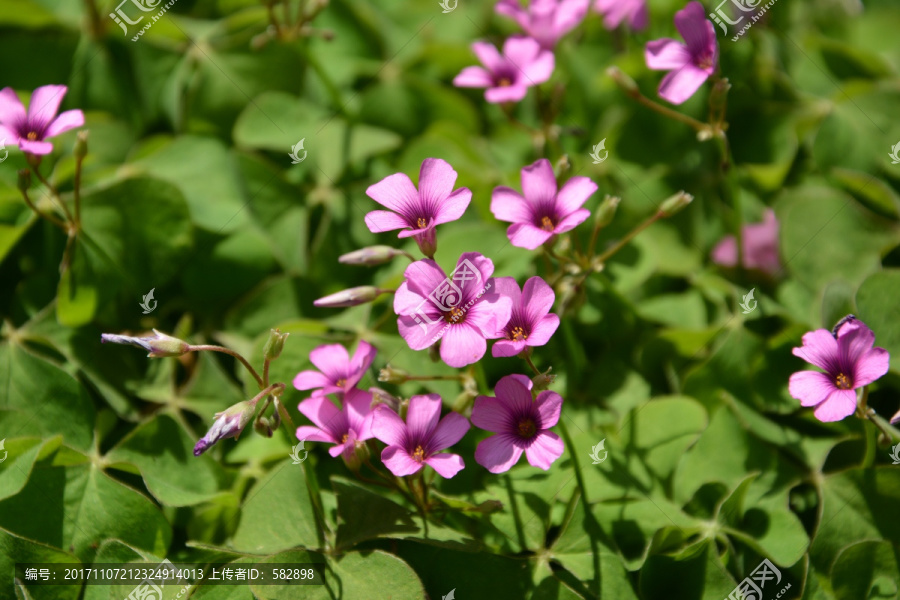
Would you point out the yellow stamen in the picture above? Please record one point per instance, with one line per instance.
(418, 454)
(422, 223)
(340, 382)
(32, 135)
(547, 224)
(518, 333)
(344, 439)
(455, 315)
(842, 381)
(504, 82)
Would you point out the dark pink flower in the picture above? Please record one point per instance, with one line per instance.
(530, 323)
(338, 373)
(30, 130)
(521, 424)
(542, 212)
(509, 75)
(545, 20)
(416, 443)
(463, 310)
(418, 211)
(689, 64)
(760, 242)
(616, 11)
(849, 360)
(343, 427)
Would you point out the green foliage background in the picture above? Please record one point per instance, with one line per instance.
(188, 189)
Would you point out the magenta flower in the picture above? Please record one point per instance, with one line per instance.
(416, 443)
(760, 242)
(343, 427)
(849, 362)
(542, 212)
(418, 211)
(690, 64)
(521, 425)
(464, 309)
(616, 11)
(338, 373)
(546, 21)
(508, 76)
(530, 323)
(30, 130)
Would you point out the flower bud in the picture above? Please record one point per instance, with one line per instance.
(229, 423)
(562, 166)
(606, 211)
(349, 297)
(263, 427)
(274, 345)
(672, 205)
(379, 396)
(623, 81)
(543, 380)
(158, 346)
(427, 242)
(371, 256)
(393, 375)
(81, 148)
(24, 180)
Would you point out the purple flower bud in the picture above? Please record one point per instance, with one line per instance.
(371, 256)
(159, 345)
(229, 423)
(350, 297)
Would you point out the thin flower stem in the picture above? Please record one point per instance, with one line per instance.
(527, 358)
(631, 234)
(273, 20)
(230, 352)
(552, 254)
(267, 392)
(285, 417)
(266, 371)
(457, 377)
(53, 193)
(53, 219)
(668, 112)
(77, 191)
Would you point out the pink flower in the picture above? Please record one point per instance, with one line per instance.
(338, 374)
(464, 309)
(849, 361)
(508, 76)
(688, 65)
(616, 11)
(416, 443)
(343, 427)
(29, 130)
(521, 425)
(760, 242)
(542, 212)
(418, 211)
(530, 323)
(545, 20)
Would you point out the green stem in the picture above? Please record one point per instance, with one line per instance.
(629, 236)
(668, 112)
(230, 352)
(52, 218)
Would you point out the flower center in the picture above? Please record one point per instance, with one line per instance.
(705, 61)
(517, 333)
(344, 439)
(454, 315)
(418, 454)
(340, 382)
(422, 223)
(547, 224)
(32, 135)
(527, 428)
(504, 82)
(842, 381)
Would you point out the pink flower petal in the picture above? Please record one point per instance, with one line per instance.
(810, 387)
(506, 348)
(422, 417)
(64, 122)
(8, 136)
(543, 330)
(417, 336)
(325, 415)
(474, 77)
(666, 54)
(310, 380)
(508, 205)
(436, 181)
(484, 265)
(839, 405)
(358, 408)
(362, 359)
(574, 194)
(497, 453)
(694, 27)
(488, 55)
(537, 298)
(44, 104)
(820, 349)
(538, 182)
(725, 252)
(509, 93)
(855, 339)
(515, 393)
(449, 431)
(507, 286)
(12, 113)
(572, 221)
(453, 207)
(568, 15)
(332, 360)
(462, 345)
(526, 235)
(871, 366)
(447, 465)
(544, 449)
(388, 427)
(397, 193)
(678, 86)
(549, 406)
(490, 315)
(513, 10)
(338, 449)
(521, 51)
(424, 276)
(491, 414)
(308, 433)
(379, 221)
(399, 462)
(35, 147)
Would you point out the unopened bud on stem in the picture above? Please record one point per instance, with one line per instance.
(229, 423)
(672, 205)
(81, 148)
(390, 374)
(24, 180)
(623, 81)
(158, 346)
(274, 345)
(371, 256)
(350, 297)
(606, 211)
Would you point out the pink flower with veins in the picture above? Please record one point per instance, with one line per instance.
(417, 442)
(689, 64)
(462, 311)
(616, 11)
(508, 76)
(531, 323)
(521, 424)
(417, 212)
(760, 245)
(341, 427)
(546, 21)
(542, 212)
(850, 362)
(30, 130)
(338, 373)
